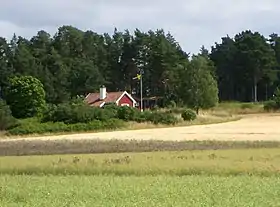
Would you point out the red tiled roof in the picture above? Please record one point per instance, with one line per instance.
(93, 98)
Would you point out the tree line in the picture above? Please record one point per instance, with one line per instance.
(74, 62)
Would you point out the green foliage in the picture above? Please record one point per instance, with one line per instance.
(257, 58)
(6, 70)
(276, 97)
(26, 96)
(247, 61)
(127, 113)
(199, 90)
(188, 115)
(162, 118)
(77, 112)
(74, 118)
(6, 118)
(172, 104)
(71, 113)
(155, 117)
(30, 127)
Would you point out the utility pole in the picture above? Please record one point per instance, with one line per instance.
(141, 90)
(139, 76)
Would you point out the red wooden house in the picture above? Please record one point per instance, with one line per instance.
(121, 98)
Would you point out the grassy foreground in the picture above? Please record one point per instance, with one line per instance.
(248, 176)
(259, 162)
(102, 191)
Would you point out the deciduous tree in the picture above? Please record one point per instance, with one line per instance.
(26, 96)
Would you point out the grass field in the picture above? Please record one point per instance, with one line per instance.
(103, 191)
(241, 174)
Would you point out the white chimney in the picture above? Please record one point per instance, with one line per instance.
(102, 95)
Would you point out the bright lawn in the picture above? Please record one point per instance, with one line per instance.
(261, 162)
(103, 191)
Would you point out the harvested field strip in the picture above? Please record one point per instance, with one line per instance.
(259, 162)
(91, 146)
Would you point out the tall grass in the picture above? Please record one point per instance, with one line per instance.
(239, 107)
(260, 162)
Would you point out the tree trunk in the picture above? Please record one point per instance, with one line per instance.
(255, 90)
(266, 92)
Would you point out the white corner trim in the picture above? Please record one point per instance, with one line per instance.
(102, 104)
(87, 95)
(129, 96)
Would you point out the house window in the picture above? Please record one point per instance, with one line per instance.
(124, 104)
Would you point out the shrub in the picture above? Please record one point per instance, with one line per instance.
(48, 113)
(270, 105)
(61, 113)
(71, 113)
(188, 115)
(6, 118)
(155, 117)
(172, 104)
(162, 118)
(111, 110)
(128, 113)
(145, 116)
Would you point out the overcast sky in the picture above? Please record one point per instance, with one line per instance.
(192, 22)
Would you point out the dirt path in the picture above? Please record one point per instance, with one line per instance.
(253, 127)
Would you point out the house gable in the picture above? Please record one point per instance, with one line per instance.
(112, 97)
(126, 99)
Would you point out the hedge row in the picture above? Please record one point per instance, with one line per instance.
(50, 127)
(72, 113)
(77, 116)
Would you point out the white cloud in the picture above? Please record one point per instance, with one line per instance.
(192, 22)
